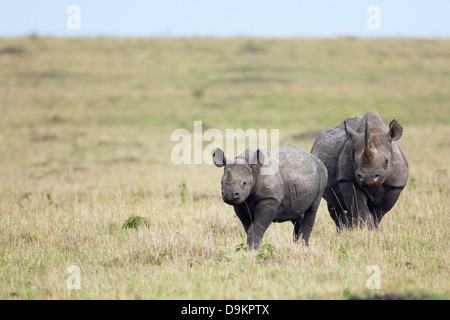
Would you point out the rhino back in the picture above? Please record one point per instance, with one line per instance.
(327, 147)
(302, 176)
(298, 165)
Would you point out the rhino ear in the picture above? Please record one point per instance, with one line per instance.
(352, 134)
(257, 160)
(219, 158)
(395, 130)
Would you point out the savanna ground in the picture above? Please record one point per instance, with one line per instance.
(85, 131)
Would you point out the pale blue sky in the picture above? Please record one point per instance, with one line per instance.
(260, 18)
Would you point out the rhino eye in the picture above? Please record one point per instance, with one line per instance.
(386, 161)
(244, 183)
(355, 166)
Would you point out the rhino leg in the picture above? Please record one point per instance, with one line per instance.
(244, 214)
(388, 202)
(297, 224)
(355, 200)
(336, 208)
(303, 228)
(264, 213)
(304, 225)
(338, 215)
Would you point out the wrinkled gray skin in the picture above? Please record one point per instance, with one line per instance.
(293, 193)
(366, 169)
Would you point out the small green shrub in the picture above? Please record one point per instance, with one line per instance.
(183, 191)
(133, 222)
(266, 251)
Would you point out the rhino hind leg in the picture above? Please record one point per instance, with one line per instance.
(304, 225)
(296, 224)
(301, 231)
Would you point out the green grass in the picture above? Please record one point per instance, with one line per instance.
(85, 132)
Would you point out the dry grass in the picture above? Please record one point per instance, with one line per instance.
(85, 143)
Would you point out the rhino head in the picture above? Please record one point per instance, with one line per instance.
(372, 152)
(238, 177)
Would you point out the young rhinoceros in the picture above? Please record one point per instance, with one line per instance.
(288, 189)
(366, 169)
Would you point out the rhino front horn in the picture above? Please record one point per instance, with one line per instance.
(229, 176)
(368, 153)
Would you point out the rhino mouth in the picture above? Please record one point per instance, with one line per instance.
(369, 182)
(232, 199)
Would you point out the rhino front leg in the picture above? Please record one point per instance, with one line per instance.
(356, 203)
(244, 213)
(336, 208)
(264, 213)
(388, 202)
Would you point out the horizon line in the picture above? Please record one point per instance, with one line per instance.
(243, 36)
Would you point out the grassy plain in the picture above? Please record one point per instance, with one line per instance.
(85, 129)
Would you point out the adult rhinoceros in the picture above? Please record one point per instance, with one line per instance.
(366, 169)
(289, 188)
